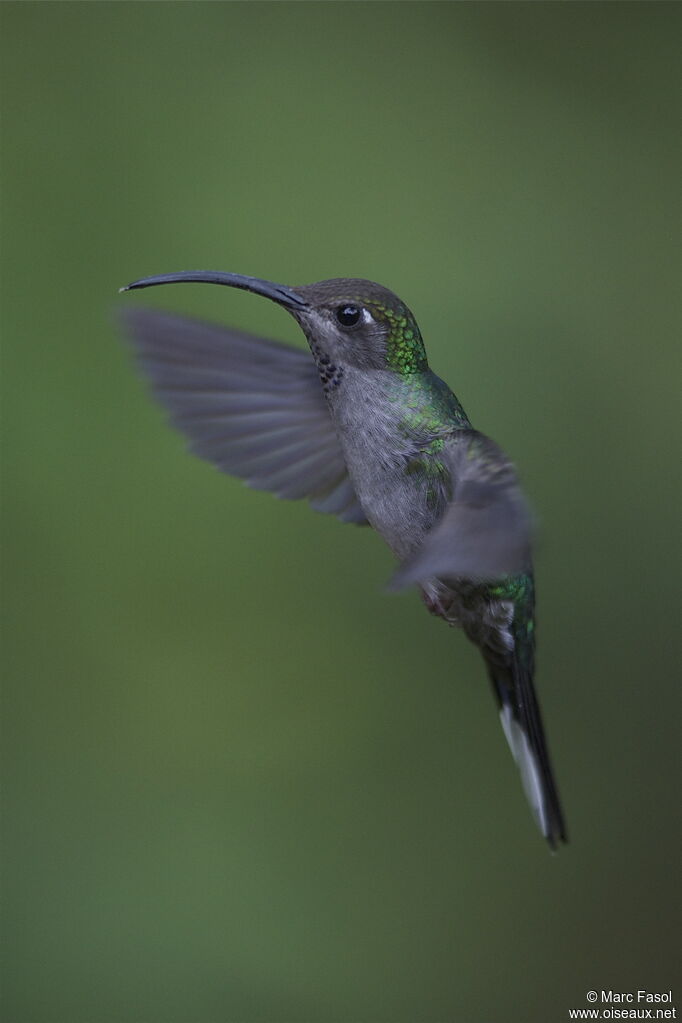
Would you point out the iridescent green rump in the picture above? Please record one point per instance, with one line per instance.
(521, 590)
(518, 588)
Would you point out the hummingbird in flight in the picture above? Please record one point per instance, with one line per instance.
(367, 432)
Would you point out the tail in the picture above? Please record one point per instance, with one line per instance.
(522, 724)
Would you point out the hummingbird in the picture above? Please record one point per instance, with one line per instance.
(365, 431)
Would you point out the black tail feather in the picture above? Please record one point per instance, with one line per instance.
(522, 723)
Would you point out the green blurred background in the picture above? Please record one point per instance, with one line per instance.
(242, 783)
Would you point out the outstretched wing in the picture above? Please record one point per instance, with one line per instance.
(253, 407)
(485, 531)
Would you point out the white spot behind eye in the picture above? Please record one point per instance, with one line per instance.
(367, 316)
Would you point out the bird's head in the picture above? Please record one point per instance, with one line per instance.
(347, 321)
(360, 323)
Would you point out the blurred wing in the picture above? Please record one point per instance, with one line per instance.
(253, 407)
(485, 530)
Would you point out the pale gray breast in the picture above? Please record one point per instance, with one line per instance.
(377, 452)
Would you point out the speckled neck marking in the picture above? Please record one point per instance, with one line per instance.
(330, 374)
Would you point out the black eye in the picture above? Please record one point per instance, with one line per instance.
(348, 315)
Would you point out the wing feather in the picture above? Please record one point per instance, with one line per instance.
(485, 531)
(251, 406)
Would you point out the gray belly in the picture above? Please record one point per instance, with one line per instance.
(399, 505)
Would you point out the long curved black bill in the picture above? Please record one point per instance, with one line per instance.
(277, 292)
